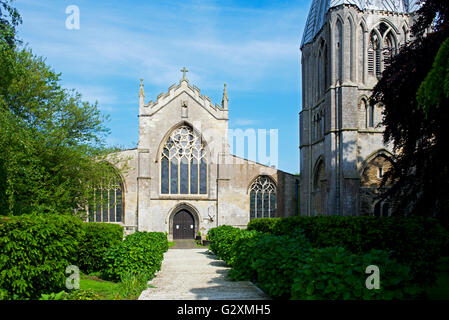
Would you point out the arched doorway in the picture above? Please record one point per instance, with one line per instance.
(183, 225)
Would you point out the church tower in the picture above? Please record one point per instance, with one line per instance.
(345, 47)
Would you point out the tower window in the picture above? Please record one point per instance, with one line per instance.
(371, 115)
(380, 173)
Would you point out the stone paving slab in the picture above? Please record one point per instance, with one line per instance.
(197, 274)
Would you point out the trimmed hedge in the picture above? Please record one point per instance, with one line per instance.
(245, 252)
(35, 250)
(97, 238)
(222, 239)
(270, 261)
(140, 252)
(415, 241)
(287, 266)
(278, 258)
(337, 274)
(263, 224)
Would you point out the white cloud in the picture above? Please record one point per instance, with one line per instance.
(246, 46)
(242, 122)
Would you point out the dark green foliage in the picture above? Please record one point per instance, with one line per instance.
(286, 266)
(97, 238)
(3, 198)
(35, 251)
(269, 261)
(222, 239)
(263, 224)
(277, 261)
(418, 133)
(140, 252)
(337, 274)
(245, 252)
(435, 88)
(414, 241)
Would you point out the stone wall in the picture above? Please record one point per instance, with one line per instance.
(229, 177)
(341, 88)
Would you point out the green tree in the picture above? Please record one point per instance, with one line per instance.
(418, 132)
(51, 141)
(9, 20)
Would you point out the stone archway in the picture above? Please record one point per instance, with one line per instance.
(186, 217)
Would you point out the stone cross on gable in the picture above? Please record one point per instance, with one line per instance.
(184, 70)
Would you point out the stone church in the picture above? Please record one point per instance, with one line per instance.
(182, 178)
(345, 47)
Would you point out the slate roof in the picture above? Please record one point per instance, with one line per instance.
(319, 8)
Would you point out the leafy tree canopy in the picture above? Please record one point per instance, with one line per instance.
(417, 127)
(51, 141)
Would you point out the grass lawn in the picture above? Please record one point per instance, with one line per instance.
(107, 290)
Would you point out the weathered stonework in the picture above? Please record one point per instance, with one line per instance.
(340, 131)
(229, 178)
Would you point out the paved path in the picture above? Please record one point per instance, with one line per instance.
(196, 274)
(185, 244)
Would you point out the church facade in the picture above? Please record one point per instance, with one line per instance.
(345, 47)
(182, 178)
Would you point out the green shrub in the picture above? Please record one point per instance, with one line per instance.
(278, 259)
(222, 239)
(245, 251)
(335, 273)
(88, 294)
(35, 251)
(415, 241)
(97, 238)
(263, 224)
(140, 252)
(54, 296)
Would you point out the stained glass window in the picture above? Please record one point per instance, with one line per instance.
(184, 164)
(263, 198)
(105, 201)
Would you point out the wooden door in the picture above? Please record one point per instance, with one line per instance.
(183, 225)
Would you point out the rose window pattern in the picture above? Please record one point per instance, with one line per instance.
(184, 165)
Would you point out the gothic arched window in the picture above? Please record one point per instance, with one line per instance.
(263, 198)
(106, 200)
(382, 46)
(363, 109)
(184, 164)
(390, 48)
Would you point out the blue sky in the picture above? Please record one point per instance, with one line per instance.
(253, 46)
